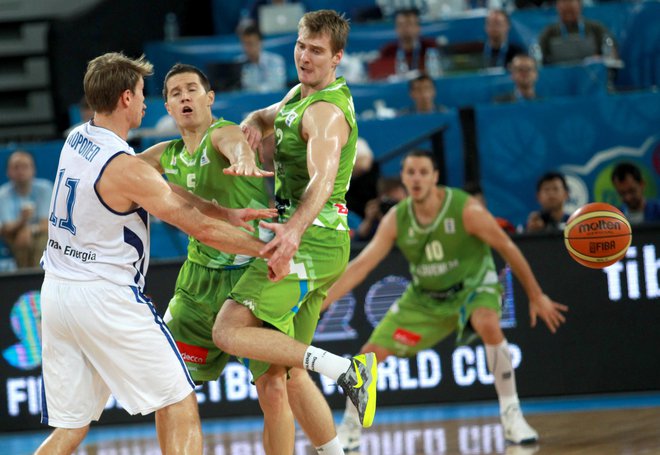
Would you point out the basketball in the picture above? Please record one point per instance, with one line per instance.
(597, 235)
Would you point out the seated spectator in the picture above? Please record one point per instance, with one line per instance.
(364, 179)
(552, 194)
(86, 114)
(629, 185)
(24, 207)
(474, 189)
(422, 92)
(574, 38)
(390, 192)
(408, 53)
(498, 52)
(261, 71)
(524, 75)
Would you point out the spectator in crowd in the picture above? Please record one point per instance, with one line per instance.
(475, 190)
(629, 184)
(524, 75)
(24, 206)
(574, 38)
(552, 194)
(261, 71)
(422, 93)
(408, 53)
(86, 113)
(390, 191)
(364, 180)
(497, 50)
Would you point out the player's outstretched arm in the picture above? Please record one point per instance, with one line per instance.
(372, 254)
(129, 182)
(479, 222)
(152, 155)
(231, 142)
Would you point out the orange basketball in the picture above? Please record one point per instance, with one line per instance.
(597, 235)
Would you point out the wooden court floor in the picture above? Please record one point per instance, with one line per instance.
(589, 426)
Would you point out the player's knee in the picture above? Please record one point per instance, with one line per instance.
(298, 381)
(272, 393)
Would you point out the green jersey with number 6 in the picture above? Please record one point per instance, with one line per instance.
(206, 165)
(442, 254)
(292, 176)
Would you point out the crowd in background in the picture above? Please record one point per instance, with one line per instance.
(420, 60)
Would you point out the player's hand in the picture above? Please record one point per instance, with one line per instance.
(246, 168)
(548, 310)
(252, 135)
(240, 217)
(276, 274)
(283, 247)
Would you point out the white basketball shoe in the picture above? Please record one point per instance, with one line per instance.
(516, 428)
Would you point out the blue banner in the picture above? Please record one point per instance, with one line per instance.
(583, 138)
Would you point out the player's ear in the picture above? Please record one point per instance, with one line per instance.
(211, 97)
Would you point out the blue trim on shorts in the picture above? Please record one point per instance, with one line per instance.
(141, 298)
(44, 403)
(304, 289)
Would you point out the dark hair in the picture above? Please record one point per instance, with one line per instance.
(418, 153)
(501, 12)
(624, 169)
(548, 177)
(250, 30)
(407, 12)
(473, 188)
(181, 68)
(421, 77)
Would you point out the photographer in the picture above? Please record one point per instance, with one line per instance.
(390, 191)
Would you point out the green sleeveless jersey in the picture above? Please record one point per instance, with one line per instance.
(201, 174)
(291, 175)
(442, 255)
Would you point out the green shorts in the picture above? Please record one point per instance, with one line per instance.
(198, 296)
(292, 305)
(416, 321)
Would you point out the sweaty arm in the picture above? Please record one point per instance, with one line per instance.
(326, 131)
(261, 123)
(129, 182)
(232, 143)
(358, 269)
(479, 222)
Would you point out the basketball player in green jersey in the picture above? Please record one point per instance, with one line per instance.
(315, 134)
(446, 236)
(204, 163)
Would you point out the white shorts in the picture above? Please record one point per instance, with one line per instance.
(99, 338)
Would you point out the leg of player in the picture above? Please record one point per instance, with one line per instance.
(178, 427)
(62, 441)
(313, 413)
(487, 324)
(237, 331)
(279, 428)
(349, 430)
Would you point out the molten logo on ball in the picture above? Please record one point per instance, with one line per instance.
(597, 235)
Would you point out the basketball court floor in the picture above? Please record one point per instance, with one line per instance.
(623, 424)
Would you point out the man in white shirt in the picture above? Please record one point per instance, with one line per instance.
(262, 71)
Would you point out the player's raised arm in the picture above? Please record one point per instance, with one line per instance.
(152, 155)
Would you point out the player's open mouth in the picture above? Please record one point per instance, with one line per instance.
(187, 110)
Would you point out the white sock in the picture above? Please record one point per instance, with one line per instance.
(351, 413)
(499, 364)
(333, 447)
(326, 363)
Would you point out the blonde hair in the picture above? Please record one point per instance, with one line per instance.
(327, 21)
(109, 75)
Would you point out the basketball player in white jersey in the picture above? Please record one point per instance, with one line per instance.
(100, 334)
